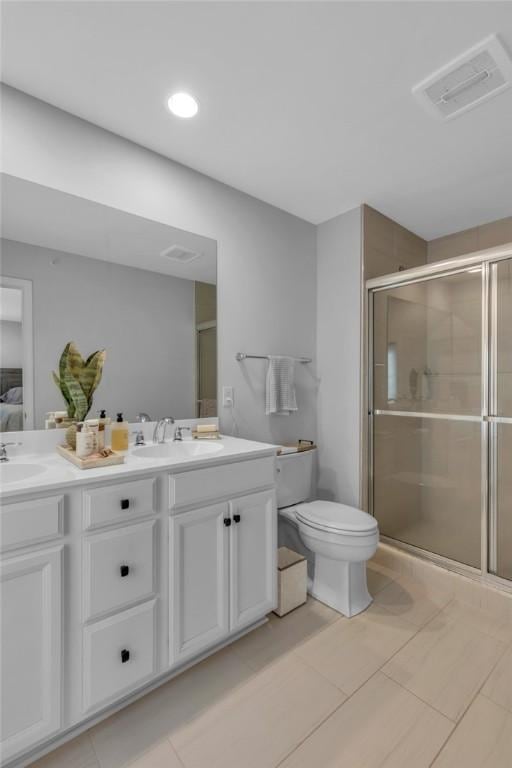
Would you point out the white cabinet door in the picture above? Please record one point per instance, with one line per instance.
(199, 617)
(30, 656)
(253, 567)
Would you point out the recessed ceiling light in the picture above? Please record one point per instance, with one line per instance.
(183, 105)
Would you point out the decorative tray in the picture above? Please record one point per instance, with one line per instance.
(91, 462)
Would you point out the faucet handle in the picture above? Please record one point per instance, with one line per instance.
(139, 437)
(4, 445)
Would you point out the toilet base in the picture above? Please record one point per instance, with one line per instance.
(341, 585)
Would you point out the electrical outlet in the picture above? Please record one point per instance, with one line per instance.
(228, 397)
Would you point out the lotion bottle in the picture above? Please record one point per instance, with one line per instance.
(119, 434)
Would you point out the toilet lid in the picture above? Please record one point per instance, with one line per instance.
(331, 516)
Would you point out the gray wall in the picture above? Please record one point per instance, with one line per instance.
(143, 319)
(11, 352)
(266, 257)
(339, 353)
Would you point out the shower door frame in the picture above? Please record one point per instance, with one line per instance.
(487, 260)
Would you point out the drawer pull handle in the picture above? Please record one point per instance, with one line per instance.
(125, 503)
(227, 522)
(125, 656)
(236, 518)
(124, 570)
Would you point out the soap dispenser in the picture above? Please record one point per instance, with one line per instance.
(119, 434)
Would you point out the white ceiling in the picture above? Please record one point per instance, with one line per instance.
(31, 213)
(305, 105)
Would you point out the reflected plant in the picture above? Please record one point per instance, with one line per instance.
(78, 379)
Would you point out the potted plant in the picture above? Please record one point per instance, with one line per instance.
(78, 379)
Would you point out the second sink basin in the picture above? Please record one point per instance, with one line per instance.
(16, 473)
(188, 448)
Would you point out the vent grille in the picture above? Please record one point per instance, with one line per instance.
(478, 74)
(180, 254)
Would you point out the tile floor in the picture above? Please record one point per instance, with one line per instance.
(420, 679)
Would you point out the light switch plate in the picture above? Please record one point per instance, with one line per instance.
(228, 397)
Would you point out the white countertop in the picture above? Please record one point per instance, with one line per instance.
(59, 474)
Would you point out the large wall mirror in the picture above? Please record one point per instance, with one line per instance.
(74, 270)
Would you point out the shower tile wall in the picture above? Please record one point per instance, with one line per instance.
(387, 246)
(468, 240)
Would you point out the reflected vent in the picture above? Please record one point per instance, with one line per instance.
(478, 74)
(180, 254)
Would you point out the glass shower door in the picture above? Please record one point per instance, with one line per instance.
(500, 546)
(427, 414)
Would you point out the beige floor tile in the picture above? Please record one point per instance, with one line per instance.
(77, 753)
(349, 652)
(483, 739)
(446, 662)
(411, 601)
(160, 756)
(261, 722)
(494, 623)
(498, 687)
(378, 576)
(281, 635)
(380, 726)
(133, 731)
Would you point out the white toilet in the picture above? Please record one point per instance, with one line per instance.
(336, 539)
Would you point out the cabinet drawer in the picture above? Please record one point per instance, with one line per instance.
(119, 568)
(116, 503)
(29, 522)
(202, 485)
(119, 654)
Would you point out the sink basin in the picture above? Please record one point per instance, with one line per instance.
(177, 450)
(16, 473)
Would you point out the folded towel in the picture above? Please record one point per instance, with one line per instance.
(280, 394)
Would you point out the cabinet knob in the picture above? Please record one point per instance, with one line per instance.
(125, 503)
(227, 522)
(236, 518)
(125, 656)
(124, 570)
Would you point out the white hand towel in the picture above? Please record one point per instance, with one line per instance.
(280, 395)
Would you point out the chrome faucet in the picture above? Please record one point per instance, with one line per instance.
(161, 426)
(3, 451)
(143, 417)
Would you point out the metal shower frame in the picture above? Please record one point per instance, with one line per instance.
(488, 260)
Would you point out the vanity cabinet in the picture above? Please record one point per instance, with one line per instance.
(118, 568)
(223, 574)
(253, 558)
(199, 580)
(30, 666)
(113, 585)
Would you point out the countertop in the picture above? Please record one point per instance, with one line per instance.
(59, 474)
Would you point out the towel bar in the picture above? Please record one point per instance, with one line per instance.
(243, 355)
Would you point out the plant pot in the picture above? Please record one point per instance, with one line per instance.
(71, 435)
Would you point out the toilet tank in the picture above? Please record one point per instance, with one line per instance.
(296, 478)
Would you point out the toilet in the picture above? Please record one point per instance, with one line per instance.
(336, 539)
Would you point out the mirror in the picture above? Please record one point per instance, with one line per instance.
(75, 270)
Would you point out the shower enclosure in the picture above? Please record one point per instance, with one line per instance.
(440, 411)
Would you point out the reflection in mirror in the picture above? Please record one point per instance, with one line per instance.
(16, 378)
(105, 279)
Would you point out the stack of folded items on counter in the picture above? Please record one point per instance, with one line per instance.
(206, 432)
(298, 447)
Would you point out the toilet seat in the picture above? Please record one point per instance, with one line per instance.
(332, 517)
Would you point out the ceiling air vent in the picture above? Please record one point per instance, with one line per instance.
(478, 74)
(180, 254)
